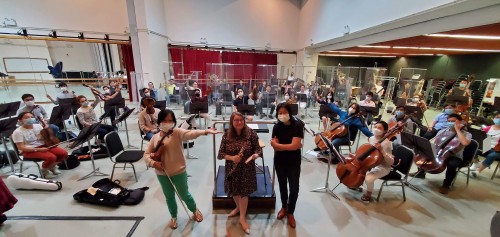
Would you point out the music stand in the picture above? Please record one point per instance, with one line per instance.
(9, 109)
(71, 103)
(305, 128)
(369, 110)
(417, 110)
(400, 102)
(59, 115)
(198, 108)
(496, 104)
(419, 145)
(326, 188)
(457, 100)
(246, 109)
(295, 109)
(161, 104)
(85, 135)
(187, 125)
(7, 127)
(123, 118)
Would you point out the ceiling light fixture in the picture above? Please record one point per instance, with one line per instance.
(360, 52)
(359, 55)
(481, 37)
(375, 46)
(449, 49)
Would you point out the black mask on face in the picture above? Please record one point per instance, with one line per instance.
(197, 94)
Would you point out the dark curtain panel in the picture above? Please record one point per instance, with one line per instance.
(128, 62)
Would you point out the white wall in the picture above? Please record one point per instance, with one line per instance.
(24, 48)
(251, 23)
(76, 56)
(321, 20)
(87, 15)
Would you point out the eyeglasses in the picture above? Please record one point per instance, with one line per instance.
(238, 120)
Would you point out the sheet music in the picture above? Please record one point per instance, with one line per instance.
(253, 126)
(487, 143)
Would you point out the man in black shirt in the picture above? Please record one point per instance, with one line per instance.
(241, 99)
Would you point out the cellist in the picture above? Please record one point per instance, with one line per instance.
(494, 153)
(383, 168)
(454, 125)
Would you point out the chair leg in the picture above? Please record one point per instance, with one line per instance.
(403, 187)
(468, 174)
(113, 171)
(39, 170)
(124, 166)
(264, 170)
(495, 172)
(380, 191)
(135, 175)
(21, 166)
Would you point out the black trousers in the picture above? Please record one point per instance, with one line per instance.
(451, 170)
(103, 130)
(288, 176)
(429, 135)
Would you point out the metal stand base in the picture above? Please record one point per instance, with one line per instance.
(128, 140)
(326, 188)
(95, 171)
(188, 156)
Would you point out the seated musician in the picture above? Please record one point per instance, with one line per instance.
(153, 90)
(87, 116)
(148, 119)
(303, 105)
(399, 115)
(440, 122)
(383, 168)
(289, 98)
(493, 154)
(197, 98)
(417, 101)
(454, 125)
(170, 89)
(268, 102)
(254, 98)
(146, 95)
(190, 88)
(461, 90)
(36, 110)
(241, 98)
(353, 124)
(31, 144)
(368, 102)
(109, 102)
(64, 94)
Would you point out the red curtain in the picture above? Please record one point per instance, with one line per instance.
(246, 72)
(128, 62)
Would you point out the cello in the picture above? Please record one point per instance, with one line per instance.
(352, 172)
(338, 130)
(446, 146)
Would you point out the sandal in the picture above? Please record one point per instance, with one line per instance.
(359, 189)
(197, 216)
(366, 198)
(173, 223)
(233, 213)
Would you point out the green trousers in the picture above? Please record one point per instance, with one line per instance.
(180, 182)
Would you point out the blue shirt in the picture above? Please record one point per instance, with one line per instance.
(354, 122)
(441, 121)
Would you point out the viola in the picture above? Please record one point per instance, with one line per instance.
(95, 91)
(48, 135)
(352, 173)
(159, 146)
(445, 148)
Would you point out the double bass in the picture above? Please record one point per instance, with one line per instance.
(352, 173)
(446, 146)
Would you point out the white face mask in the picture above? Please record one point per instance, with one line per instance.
(64, 88)
(107, 91)
(351, 110)
(368, 98)
(377, 132)
(240, 93)
(85, 104)
(283, 118)
(166, 126)
(287, 97)
(329, 97)
(462, 85)
(29, 103)
(415, 100)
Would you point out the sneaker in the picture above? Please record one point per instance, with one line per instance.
(474, 166)
(270, 116)
(262, 116)
(55, 170)
(317, 149)
(366, 199)
(444, 190)
(47, 175)
(418, 175)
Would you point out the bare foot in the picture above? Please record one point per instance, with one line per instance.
(234, 212)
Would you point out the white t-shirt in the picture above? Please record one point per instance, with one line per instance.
(386, 145)
(30, 137)
(495, 135)
(366, 103)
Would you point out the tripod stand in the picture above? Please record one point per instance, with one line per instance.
(85, 135)
(123, 117)
(326, 188)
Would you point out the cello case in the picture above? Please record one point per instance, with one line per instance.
(32, 182)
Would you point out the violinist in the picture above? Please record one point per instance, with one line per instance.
(108, 98)
(383, 168)
(440, 122)
(494, 153)
(153, 90)
(64, 94)
(38, 111)
(268, 102)
(148, 119)
(417, 101)
(170, 89)
(199, 99)
(353, 124)
(461, 90)
(193, 87)
(169, 160)
(87, 116)
(241, 98)
(454, 125)
(30, 143)
(399, 115)
(146, 94)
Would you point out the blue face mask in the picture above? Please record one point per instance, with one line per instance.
(399, 113)
(450, 124)
(496, 121)
(448, 111)
(30, 121)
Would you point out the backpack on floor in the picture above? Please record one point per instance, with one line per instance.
(32, 182)
(105, 192)
(71, 163)
(4, 160)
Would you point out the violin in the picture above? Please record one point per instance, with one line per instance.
(159, 146)
(338, 130)
(352, 173)
(445, 147)
(48, 135)
(95, 91)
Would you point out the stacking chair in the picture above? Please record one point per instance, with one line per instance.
(351, 141)
(403, 158)
(119, 155)
(35, 160)
(469, 154)
(143, 136)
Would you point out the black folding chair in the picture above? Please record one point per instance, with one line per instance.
(119, 155)
(403, 158)
(469, 154)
